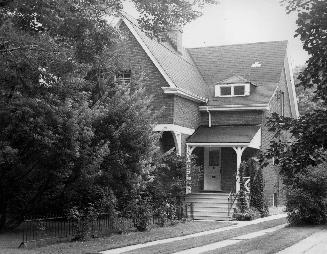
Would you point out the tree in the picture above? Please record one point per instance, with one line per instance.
(68, 133)
(306, 146)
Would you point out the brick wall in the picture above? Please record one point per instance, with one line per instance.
(230, 118)
(273, 183)
(134, 58)
(186, 113)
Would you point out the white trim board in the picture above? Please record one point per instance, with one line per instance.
(262, 107)
(174, 128)
(182, 93)
(217, 144)
(149, 53)
(290, 86)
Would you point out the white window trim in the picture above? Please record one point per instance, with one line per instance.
(122, 78)
(232, 86)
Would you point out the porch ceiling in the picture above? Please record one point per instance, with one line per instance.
(224, 134)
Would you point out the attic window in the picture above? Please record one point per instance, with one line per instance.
(232, 90)
(123, 77)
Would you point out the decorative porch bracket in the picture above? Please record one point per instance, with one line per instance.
(239, 151)
(189, 150)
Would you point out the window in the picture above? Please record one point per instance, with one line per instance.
(231, 90)
(239, 90)
(214, 157)
(281, 99)
(282, 105)
(123, 77)
(225, 91)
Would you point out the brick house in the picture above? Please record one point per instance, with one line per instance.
(214, 102)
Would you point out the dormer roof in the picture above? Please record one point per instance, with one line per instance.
(236, 79)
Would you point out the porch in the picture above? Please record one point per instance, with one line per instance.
(215, 177)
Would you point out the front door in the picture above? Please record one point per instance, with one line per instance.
(212, 169)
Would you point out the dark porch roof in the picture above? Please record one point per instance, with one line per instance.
(224, 134)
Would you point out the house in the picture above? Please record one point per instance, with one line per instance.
(215, 102)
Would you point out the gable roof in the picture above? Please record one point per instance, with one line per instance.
(260, 63)
(195, 72)
(179, 70)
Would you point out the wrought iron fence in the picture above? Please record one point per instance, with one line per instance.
(47, 229)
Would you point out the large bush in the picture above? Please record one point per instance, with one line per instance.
(307, 197)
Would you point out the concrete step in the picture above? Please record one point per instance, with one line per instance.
(210, 214)
(210, 209)
(203, 200)
(208, 206)
(212, 218)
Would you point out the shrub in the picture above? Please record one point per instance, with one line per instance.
(248, 214)
(167, 187)
(257, 198)
(140, 211)
(242, 209)
(82, 221)
(307, 197)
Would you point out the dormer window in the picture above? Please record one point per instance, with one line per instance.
(231, 90)
(123, 77)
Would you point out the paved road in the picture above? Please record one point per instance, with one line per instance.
(314, 244)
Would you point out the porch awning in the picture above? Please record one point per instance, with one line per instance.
(234, 134)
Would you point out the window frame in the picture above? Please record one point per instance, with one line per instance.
(232, 86)
(120, 77)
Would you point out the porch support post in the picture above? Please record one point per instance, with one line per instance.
(189, 150)
(239, 151)
(178, 141)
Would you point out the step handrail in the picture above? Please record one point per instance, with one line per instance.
(231, 200)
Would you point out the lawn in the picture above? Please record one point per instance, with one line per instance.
(115, 241)
(204, 240)
(269, 243)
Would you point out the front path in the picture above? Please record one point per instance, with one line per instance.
(314, 244)
(172, 245)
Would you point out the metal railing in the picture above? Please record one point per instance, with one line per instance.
(231, 200)
(38, 230)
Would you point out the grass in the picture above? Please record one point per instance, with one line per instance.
(269, 243)
(204, 240)
(116, 241)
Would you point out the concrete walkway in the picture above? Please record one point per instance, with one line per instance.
(238, 224)
(234, 240)
(314, 244)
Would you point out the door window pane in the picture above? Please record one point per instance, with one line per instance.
(214, 157)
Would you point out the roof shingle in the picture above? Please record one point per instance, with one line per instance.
(223, 62)
(179, 67)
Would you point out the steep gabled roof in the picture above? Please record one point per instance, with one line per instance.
(259, 63)
(178, 69)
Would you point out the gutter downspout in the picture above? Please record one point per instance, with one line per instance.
(209, 117)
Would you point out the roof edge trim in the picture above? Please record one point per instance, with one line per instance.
(149, 53)
(183, 93)
(262, 107)
(218, 144)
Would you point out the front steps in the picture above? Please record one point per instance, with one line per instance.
(208, 206)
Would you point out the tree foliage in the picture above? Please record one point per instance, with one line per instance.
(300, 144)
(69, 135)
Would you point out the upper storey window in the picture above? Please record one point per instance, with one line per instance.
(124, 77)
(231, 90)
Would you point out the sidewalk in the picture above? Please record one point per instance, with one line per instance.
(238, 224)
(314, 244)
